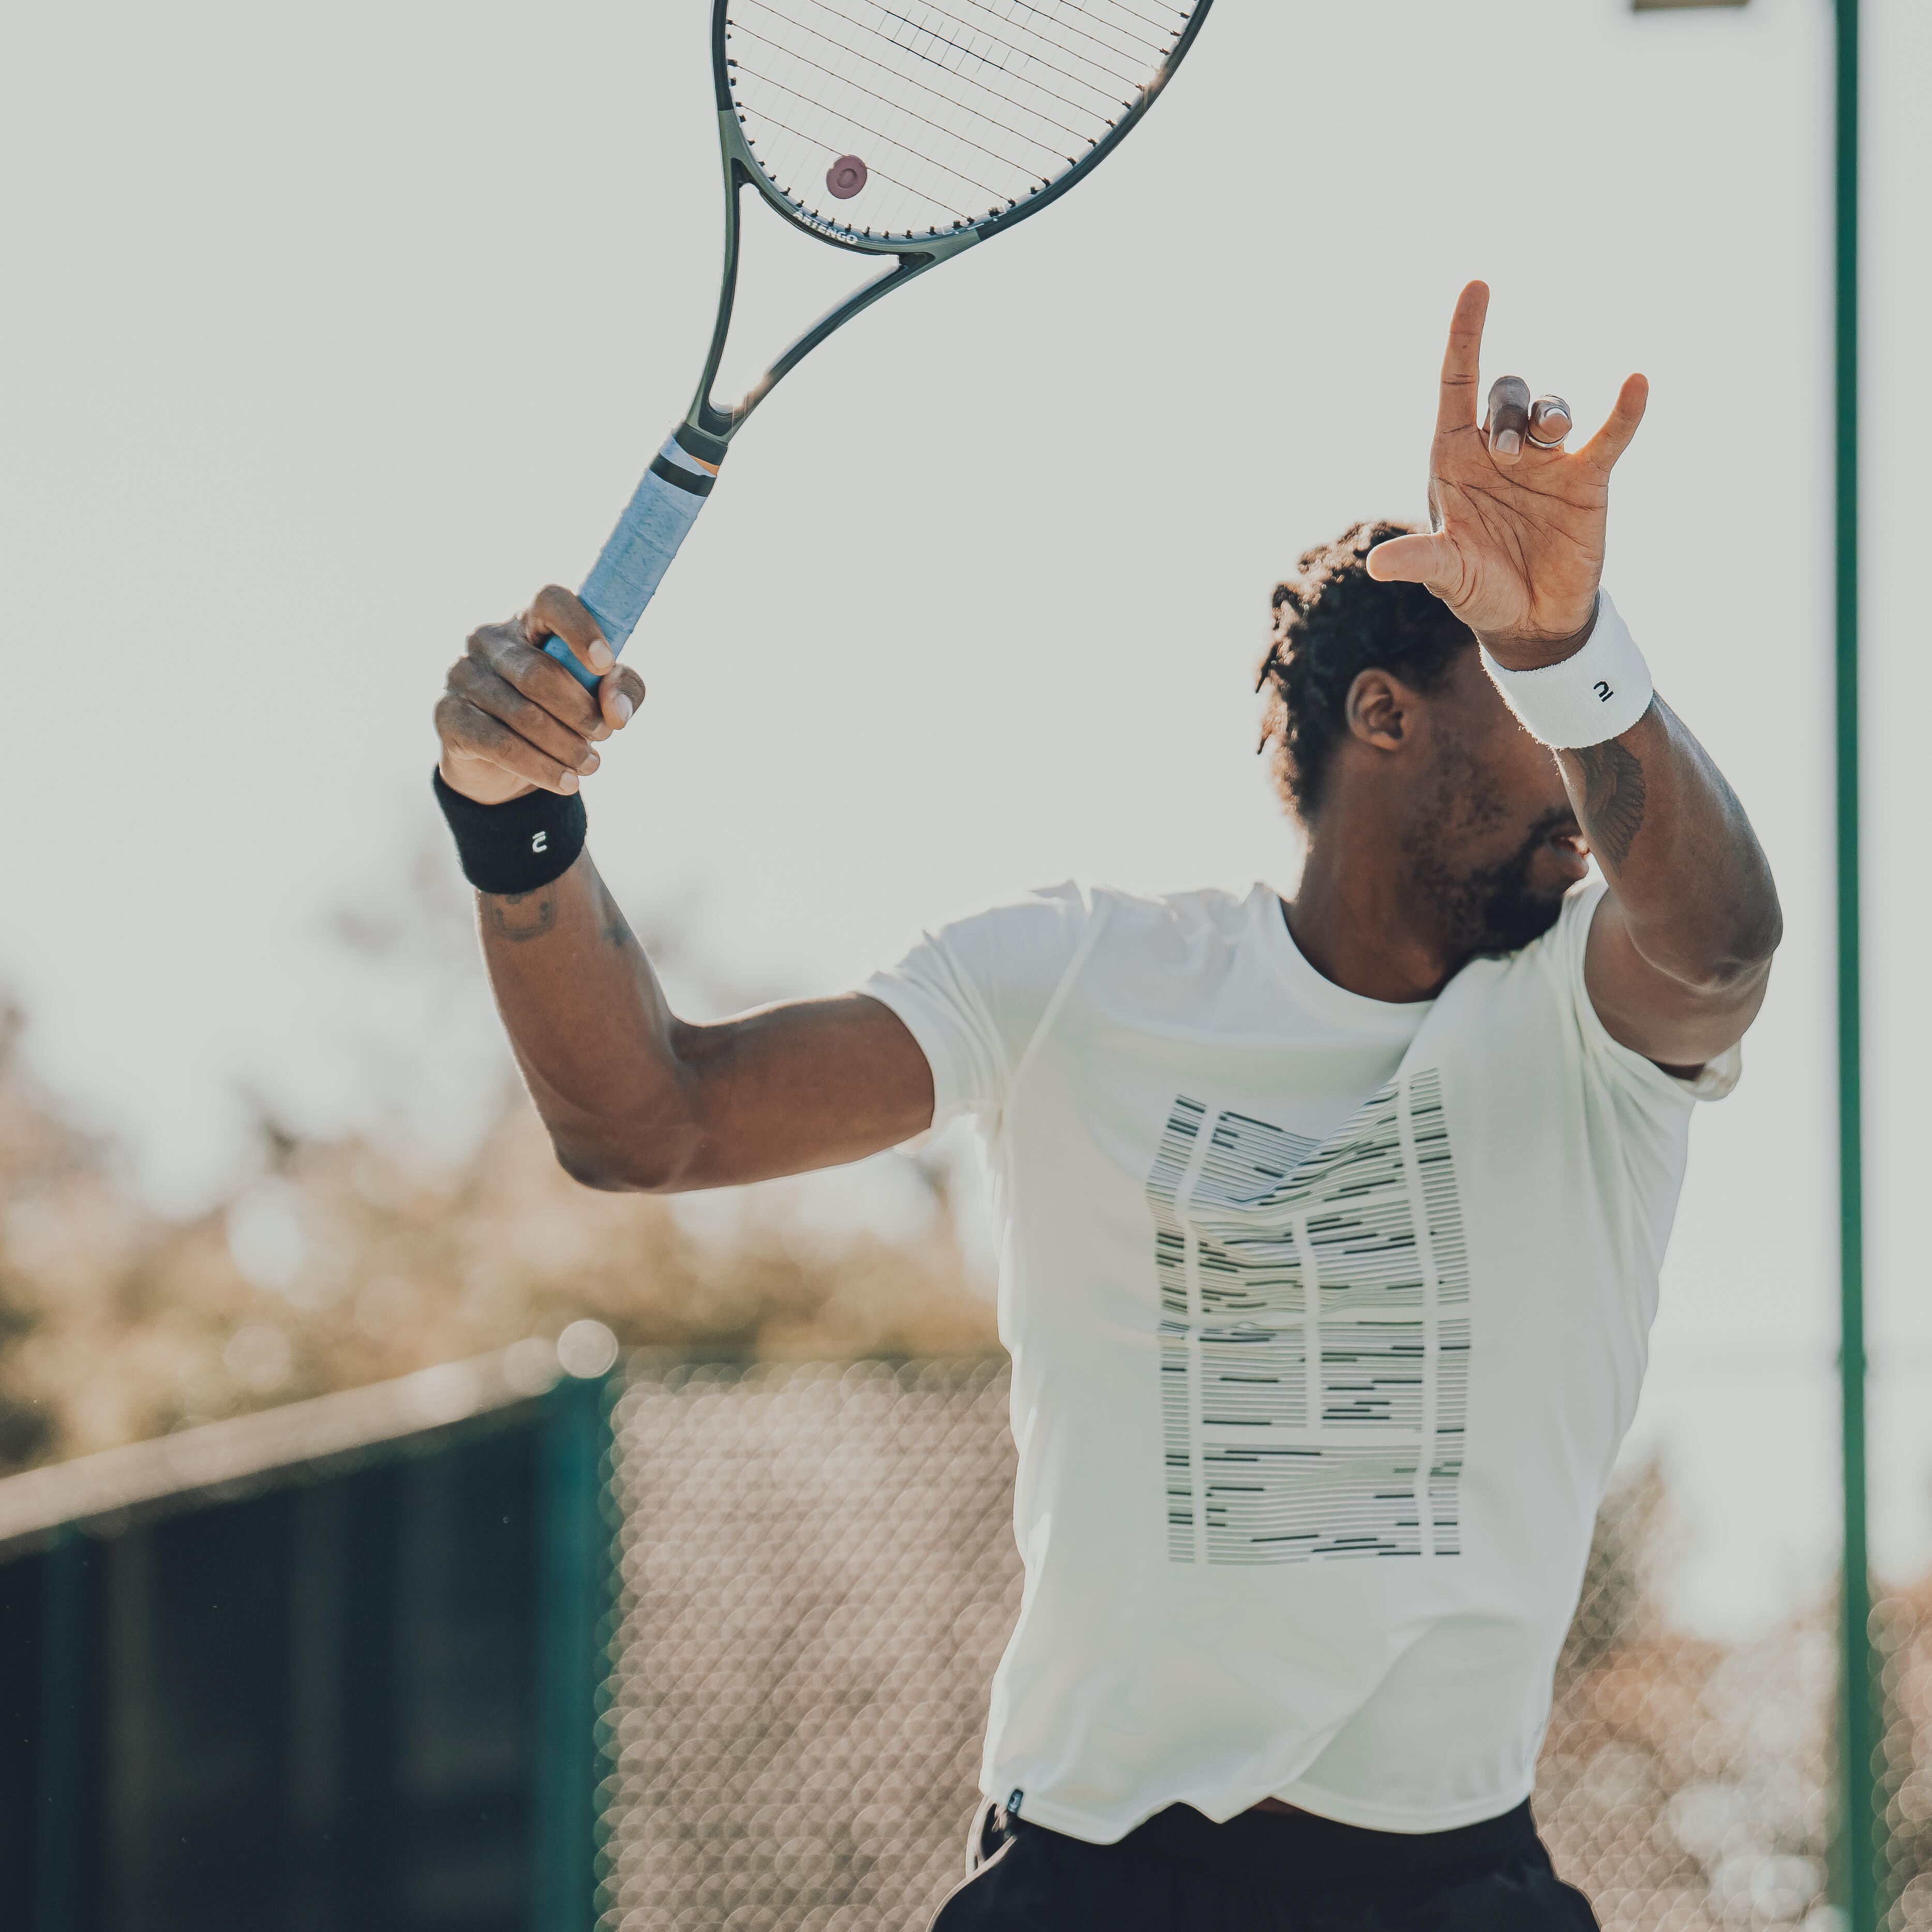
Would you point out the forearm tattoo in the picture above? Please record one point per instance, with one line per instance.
(517, 916)
(616, 927)
(1613, 791)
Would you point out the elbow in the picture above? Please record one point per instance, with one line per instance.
(653, 1140)
(1747, 960)
(1735, 967)
(619, 1163)
(590, 1165)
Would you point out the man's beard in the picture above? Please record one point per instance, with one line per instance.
(1493, 909)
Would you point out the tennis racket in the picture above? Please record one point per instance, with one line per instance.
(908, 130)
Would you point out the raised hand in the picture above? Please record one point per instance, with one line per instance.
(1516, 546)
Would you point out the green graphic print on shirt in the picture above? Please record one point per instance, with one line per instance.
(1314, 1332)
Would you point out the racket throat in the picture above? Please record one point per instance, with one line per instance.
(720, 423)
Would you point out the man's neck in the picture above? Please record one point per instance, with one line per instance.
(1356, 920)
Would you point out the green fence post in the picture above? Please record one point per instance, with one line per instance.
(1861, 1816)
(62, 1747)
(573, 1559)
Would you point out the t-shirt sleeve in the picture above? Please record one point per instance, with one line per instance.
(1621, 1064)
(974, 994)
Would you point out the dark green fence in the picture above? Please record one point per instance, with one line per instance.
(299, 1692)
(356, 1664)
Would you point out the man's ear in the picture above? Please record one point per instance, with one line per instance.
(1377, 709)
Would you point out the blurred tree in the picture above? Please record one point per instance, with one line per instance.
(352, 1258)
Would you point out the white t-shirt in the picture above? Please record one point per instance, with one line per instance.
(1327, 1317)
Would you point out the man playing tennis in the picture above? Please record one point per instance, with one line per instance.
(1329, 1230)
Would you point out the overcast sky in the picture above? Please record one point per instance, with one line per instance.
(332, 332)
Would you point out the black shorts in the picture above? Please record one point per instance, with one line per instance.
(1262, 1872)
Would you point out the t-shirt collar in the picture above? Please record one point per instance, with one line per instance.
(1308, 988)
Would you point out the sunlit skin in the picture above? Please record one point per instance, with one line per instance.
(1449, 779)
(1434, 804)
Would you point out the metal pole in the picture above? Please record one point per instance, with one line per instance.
(1861, 1817)
(573, 1583)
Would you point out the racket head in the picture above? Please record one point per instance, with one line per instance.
(962, 116)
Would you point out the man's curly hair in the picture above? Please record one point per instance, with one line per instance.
(1333, 621)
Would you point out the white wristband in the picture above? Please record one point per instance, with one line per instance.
(1598, 693)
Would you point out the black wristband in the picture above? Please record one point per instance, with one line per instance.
(517, 846)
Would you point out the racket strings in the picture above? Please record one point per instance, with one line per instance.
(878, 171)
(972, 26)
(944, 101)
(1038, 143)
(839, 45)
(1005, 127)
(885, 100)
(1130, 49)
(1161, 26)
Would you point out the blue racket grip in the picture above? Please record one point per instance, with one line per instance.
(633, 562)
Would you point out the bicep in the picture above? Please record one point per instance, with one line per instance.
(1678, 1026)
(804, 1085)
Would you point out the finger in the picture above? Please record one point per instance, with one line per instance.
(506, 648)
(619, 696)
(465, 727)
(555, 613)
(1506, 422)
(477, 685)
(1427, 560)
(1550, 421)
(1611, 441)
(1456, 407)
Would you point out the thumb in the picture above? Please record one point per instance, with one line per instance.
(1416, 559)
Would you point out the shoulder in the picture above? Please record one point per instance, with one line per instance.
(1559, 952)
(1559, 958)
(1002, 961)
(1210, 916)
(1073, 910)
(1047, 923)
(1038, 939)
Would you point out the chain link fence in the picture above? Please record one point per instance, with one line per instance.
(816, 1576)
(1903, 1631)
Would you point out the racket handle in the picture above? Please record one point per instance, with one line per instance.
(627, 573)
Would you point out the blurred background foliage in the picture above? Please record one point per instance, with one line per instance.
(349, 1257)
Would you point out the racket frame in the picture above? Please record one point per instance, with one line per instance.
(707, 429)
(672, 491)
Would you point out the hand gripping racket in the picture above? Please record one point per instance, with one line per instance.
(909, 130)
